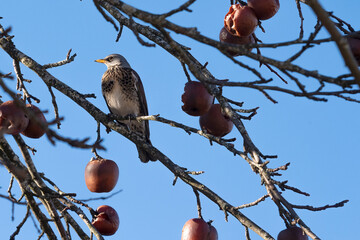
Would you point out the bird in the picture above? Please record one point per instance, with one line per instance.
(124, 95)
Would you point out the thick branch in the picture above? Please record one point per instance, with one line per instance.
(336, 36)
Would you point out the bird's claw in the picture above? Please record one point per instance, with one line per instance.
(130, 117)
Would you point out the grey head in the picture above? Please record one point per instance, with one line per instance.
(114, 60)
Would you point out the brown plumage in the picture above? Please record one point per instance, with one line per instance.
(124, 95)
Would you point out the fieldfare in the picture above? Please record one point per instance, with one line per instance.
(125, 96)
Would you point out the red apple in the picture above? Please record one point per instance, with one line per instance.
(240, 20)
(227, 37)
(12, 118)
(354, 43)
(213, 233)
(101, 175)
(107, 221)
(215, 123)
(33, 129)
(198, 229)
(197, 100)
(292, 233)
(264, 9)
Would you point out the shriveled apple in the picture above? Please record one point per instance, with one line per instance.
(354, 43)
(12, 118)
(34, 130)
(106, 221)
(197, 100)
(215, 122)
(198, 229)
(227, 37)
(240, 21)
(292, 233)
(264, 9)
(101, 175)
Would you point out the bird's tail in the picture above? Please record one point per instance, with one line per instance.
(144, 156)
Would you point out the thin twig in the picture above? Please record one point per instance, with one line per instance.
(18, 227)
(56, 110)
(253, 203)
(198, 203)
(186, 72)
(183, 7)
(311, 208)
(67, 60)
(301, 34)
(97, 142)
(106, 17)
(247, 234)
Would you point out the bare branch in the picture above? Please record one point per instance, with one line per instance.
(183, 7)
(253, 203)
(68, 59)
(311, 208)
(336, 36)
(18, 228)
(107, 17)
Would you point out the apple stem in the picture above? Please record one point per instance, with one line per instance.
(198, 203)
(98, 141)
(186, 72)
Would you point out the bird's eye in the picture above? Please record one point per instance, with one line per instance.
(110, 59)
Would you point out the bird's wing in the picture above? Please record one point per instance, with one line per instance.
(107, 84)
(142, 99)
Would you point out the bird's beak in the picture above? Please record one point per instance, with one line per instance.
(100, 60)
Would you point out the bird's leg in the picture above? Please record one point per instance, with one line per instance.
(115, 117)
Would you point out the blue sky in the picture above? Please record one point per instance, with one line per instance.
(319, 139)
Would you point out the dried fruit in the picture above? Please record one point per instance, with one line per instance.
(107, 221)
(292, 233)
(12, 118)
(264, 9)
(227, 37)
(197, 100)
(34, 130)
(240, 20)
(354, 43)
(215, 123)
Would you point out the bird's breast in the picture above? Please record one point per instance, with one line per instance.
(120, 101)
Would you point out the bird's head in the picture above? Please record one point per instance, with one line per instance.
(114, 60)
